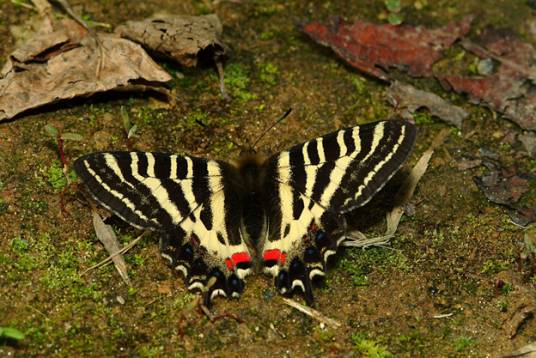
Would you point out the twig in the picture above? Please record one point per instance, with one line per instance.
(39, 312)
(445, 315)
(358, 239)
(312, 313)
(110, 258)
(213, 318)
(221, 75)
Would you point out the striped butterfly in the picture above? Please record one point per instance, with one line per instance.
(219, 221)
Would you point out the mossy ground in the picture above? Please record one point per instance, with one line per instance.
(457, 255)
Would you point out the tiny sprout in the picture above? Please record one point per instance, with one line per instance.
(51, 131)
(71, 136)
(11, 333)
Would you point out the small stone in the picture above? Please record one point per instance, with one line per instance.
(485, 67)
(102, 140)
(120, 299)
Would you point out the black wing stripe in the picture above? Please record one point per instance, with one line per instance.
(96, 175)
(390, 154)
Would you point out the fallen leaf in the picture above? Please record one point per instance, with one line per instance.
(107, 237)
(466, 164)
(505, 90)
(374, 49)
(529, 143)
(409, 99)
(528, 351)
(523, 216)
(70, 62)
(184, 39)
(503, 187)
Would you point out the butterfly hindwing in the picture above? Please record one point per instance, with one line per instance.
(290, 208)
(314, 184)
(185, 200)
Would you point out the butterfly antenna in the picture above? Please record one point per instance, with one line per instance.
(272, 126)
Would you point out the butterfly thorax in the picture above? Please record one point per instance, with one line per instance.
(253, 224)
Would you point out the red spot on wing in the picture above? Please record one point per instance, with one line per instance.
(240, 257)
(275, 255)
(229, 264)
(236, 259)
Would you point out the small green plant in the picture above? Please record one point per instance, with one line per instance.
(60, 139)
(462, 342)
(506, 288)
(359, 84)
(269, 73)
(19, 245)
(56, 176)
(394, 7)
(369, 347)
(492, 267)
(11, 333)
(128, 126)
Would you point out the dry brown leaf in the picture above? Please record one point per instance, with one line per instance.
(68, 63)
(375, 48)
(184, 39)
(528, 351)
(409, 99)
(107, 237)
(507, 89)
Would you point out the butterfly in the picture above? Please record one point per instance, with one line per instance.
(218, 222)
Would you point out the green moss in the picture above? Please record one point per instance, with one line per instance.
(269, 73)
(55, 176)
(360, 263)
(492, 267)
(423, 117)
(150, 116)
(412, 342)
(237, 82)
(368, 347)
(19, 245)
(194, 119)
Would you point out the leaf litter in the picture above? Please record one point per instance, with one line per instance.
(66, 59)
(505, 186)
(187, 40)
(71, 62)
(376, 48)
(506, 90)
(408, 99)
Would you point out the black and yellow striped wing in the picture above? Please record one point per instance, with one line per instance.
(183, 198)
(314, 184)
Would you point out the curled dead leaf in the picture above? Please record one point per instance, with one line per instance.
(409, 99)
(184, 39)
(68, 63)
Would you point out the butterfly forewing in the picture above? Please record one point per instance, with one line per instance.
(204, 209)
(186, 200)
(315, 183)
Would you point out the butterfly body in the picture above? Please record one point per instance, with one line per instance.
(219, 221)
